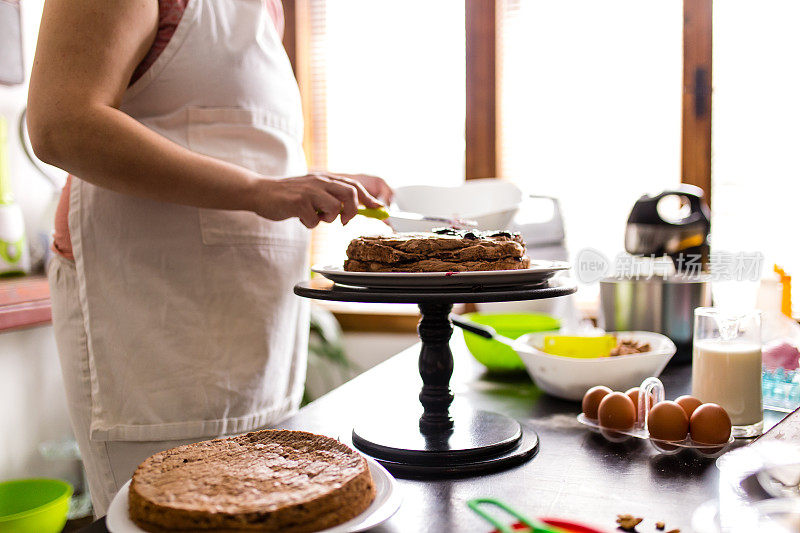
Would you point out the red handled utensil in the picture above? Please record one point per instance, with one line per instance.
(546, 525)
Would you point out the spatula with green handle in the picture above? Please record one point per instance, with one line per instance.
(488, 332)
(586, 347)
(382, 213)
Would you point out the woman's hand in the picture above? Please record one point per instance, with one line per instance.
(313, 198)
(374, 185)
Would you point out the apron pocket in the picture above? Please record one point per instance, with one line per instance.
(262, 141)
(227, 228)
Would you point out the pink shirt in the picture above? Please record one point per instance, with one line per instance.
(169, 15)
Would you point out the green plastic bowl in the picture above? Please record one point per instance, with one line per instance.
(499, 357)
(34, 505)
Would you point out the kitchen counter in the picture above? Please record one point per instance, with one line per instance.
(576, 474)
(24, 302)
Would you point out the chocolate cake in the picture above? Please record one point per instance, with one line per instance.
(271, 480)
(443, 250)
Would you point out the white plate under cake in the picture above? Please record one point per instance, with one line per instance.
(537, 273)
(270, 480)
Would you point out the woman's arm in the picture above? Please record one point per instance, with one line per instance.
(86, 54)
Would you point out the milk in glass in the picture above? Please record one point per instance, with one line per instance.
(726, 365)
(729, 374)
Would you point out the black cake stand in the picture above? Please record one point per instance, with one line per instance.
(441, 441)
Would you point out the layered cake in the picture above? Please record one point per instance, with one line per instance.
(443, 250)
(271, 480)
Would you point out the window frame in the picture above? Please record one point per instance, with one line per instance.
(697, 84)
(481, 129)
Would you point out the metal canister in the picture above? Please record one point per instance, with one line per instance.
(663, 304)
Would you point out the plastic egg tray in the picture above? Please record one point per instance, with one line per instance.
(653, 388)
(781, 389)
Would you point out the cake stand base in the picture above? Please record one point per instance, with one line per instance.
(480, 442)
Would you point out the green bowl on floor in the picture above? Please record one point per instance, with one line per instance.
(498, 357)
(34, 505)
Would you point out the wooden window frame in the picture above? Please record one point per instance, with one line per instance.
(697, 84)
(482, 130)
(481, 125)
(481, 119)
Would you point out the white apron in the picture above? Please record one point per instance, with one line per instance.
(192, 326)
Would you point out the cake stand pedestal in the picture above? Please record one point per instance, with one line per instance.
(439, 441)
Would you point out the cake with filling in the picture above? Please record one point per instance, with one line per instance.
(443, 250)
(270, 480)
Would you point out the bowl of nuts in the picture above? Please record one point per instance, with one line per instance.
(631, 357)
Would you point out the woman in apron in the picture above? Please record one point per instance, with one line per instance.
(188, 209)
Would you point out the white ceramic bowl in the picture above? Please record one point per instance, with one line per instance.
(492, 203)
(569, 377)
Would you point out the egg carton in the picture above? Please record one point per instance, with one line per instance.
(780, 389)
(653, 388)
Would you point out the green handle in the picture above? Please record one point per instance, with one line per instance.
(536, 526)
(379, 213)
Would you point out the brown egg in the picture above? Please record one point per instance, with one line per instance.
(633, 394)
(591, 400)
(710, 424)
(667, 421)
(689, 404)
(616, 411)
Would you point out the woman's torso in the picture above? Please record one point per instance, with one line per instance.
(192, 326)
(169, 16)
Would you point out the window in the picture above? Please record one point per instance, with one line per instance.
(595, 103)
(386, 81)
(756, 135)
(590, 107)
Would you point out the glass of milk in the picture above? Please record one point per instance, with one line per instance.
(726, 365)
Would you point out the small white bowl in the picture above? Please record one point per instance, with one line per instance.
(570, 377)
(492, 203)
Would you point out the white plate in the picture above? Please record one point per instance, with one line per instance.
(386, 502)
(538, 272)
